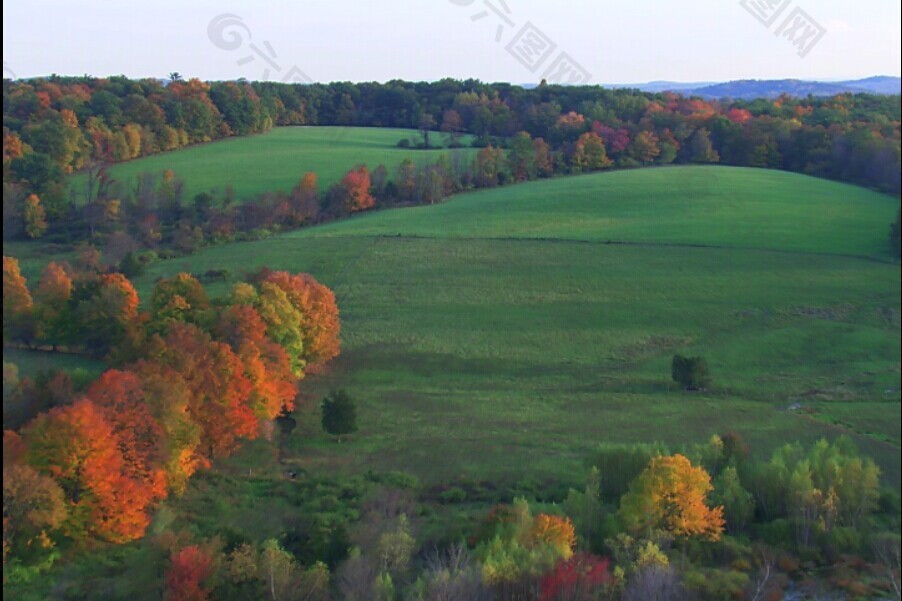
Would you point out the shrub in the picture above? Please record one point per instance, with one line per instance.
(339, 414)
(691, 373)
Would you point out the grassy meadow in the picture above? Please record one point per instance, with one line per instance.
(500, 336)
(278, 159)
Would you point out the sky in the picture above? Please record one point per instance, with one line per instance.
(519, 41)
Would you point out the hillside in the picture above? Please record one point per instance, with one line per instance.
(483, 332)
(717, 206)
(277, 159)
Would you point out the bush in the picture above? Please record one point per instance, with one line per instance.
(691, 373)
(403, 143)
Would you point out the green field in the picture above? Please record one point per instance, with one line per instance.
(719, 206)
(30, 362)
(277, 159)
(499, 335)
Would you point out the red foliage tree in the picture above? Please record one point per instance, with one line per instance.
(189, 568)
(581, 578)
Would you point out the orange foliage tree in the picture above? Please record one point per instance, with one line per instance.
(17, 301)
(266, 364)
(77, 447)
(356, 187)
(318, 312)
(671, 494)
(139, 436)
(556, 532)
(218, 390)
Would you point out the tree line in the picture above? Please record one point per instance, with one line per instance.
(57, 125)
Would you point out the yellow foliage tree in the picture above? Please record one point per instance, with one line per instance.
(671, 494)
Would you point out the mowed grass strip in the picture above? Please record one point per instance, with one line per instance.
(705, 205)
(277, 159)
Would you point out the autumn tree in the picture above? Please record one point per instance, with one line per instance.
(589, 153)
(555, 531)
(77, 447)
(17, 302)
(33, 507)
(178, 299)
(488, 167)
(139, 436)
(543, 158)
(452, 125)
(671, 494)
(517, 548)
(34, 217)
(266, 364)
(108, 318)
(189, 570)
(406, 180)
(583, 577)
(219, 391)
(167, 395)
(284, 323)
(52, 313)
(311, 312)
(355, 188)
(644, 147)
(304, 200)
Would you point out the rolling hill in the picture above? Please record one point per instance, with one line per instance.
(500, 335)
(277, 159)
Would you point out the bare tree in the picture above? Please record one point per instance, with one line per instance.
(762, 584)
(450, 576)
(654, 583)
(886, 548)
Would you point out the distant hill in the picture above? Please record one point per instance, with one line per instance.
(749, 89)
(771, 88)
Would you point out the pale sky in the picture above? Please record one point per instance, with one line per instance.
(357, 40)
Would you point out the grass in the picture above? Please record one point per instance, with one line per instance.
(489, 342)
(30, 362)
(277, 159)
(720, 206)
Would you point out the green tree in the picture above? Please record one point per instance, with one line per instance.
(339, 414)
(692, 373)
(521, 157)
(34, 217)
(738, 504)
